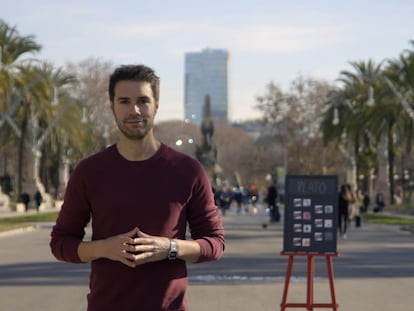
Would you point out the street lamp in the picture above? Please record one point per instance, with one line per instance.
(370, 101)
(180, 142)
(402, 97)
(335, 120)
(84, 116)
(38, 143)
(346, 153)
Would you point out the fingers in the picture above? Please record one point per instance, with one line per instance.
(137, 255)
(132, 233)
(141, 234)
(136, 247)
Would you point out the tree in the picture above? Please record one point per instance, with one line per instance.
(92, 89)
(369, 118)
(236, 149)
(345, 119)
(42, 105)
(237, 155)
(399, 78)
(13, 47)
(178, 134)
(293, 120)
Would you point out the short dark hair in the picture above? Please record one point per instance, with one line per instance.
(134, 73)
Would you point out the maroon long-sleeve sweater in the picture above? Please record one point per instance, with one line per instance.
(159, 196)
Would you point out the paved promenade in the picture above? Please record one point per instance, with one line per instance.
(375, 271)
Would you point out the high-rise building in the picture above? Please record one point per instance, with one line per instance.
(206, 74)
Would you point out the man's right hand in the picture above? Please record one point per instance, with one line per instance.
(118, 248)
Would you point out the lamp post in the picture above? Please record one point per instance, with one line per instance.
(347, 151)
(402, 97)
(186, 144)
(35, 143)
(351, 172)
(180, 141)
(38, 143)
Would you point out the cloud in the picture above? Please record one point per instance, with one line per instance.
(268, 38)
(280, 39)
(146, 30)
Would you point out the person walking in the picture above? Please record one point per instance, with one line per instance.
(271, 200)
(238, 198)
(343, 211)
(38, 200)
(25, 199)
(347, 208)
(139, 195)
(366, 201)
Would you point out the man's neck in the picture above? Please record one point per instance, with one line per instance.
(138, 150)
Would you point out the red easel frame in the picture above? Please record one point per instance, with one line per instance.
(310, 304)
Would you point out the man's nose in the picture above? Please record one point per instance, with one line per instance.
(137, 110)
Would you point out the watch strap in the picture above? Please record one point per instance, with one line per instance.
(172, 253)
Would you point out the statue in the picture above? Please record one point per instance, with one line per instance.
(206, 153)
(4, 201)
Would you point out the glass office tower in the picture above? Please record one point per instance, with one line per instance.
(206, 73)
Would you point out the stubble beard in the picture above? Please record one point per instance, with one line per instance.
(136, 134)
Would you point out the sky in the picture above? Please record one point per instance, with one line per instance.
(268, 40)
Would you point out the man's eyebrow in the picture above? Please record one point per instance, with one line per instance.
(123, 98)
(144, 97)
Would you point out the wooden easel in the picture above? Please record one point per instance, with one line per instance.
(310, 304)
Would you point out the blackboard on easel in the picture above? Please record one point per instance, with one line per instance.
(311, 214)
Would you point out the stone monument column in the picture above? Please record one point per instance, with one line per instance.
(207, 153)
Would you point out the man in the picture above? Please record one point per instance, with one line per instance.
(140, 194)
(271, 200)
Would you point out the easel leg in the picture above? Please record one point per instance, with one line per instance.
(331, 282)
(309, 300)
(287, 281)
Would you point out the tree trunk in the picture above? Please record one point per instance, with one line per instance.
(391, 162)
(20, 154)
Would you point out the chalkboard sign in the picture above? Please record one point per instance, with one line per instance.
(311, 214)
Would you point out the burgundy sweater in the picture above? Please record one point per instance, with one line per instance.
(158, 195)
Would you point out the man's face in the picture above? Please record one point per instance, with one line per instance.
(134, 108)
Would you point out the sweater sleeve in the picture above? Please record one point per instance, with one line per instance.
(204, 220)
(69, 230)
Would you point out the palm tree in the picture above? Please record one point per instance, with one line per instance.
(52, 106)
(399, 77)
(13, 47)
(346, 115)
(370, 124)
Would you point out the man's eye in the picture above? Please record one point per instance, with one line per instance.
(143, 101)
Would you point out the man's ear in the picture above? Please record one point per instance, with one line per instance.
(157, 104)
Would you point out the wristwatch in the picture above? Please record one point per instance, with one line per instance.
(172, 253)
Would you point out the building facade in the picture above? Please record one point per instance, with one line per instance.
(206, 74)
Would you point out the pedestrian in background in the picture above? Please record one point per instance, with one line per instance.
(271, 200)
(38, 200)
(365, 202)
(25, 199)
(380, 202)
(225, 198)
(343, 210)
(139, 195)
(348, 204)
(238, 198)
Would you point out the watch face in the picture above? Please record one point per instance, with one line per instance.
(172, 254)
